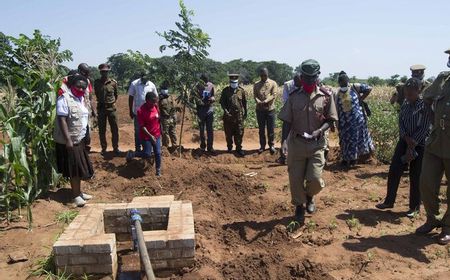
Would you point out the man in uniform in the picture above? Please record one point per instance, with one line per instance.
(234, 104)
(264, 92)
(167, 111)
(417, 72)
(309, 113)
(106, 92)
(436, 159)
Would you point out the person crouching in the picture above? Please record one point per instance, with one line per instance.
(149, 130)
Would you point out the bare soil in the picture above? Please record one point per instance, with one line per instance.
(241, 221)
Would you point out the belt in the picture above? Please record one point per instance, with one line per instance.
(298, 135)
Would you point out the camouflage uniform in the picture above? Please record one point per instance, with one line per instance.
(106, 93)
(234, 105)
(168, 121)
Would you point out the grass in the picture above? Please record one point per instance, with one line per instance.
(353, 223)
(66, 217)
(333, 225)
(374, 197)
(311, 226)
(292, 226)
(45, 268)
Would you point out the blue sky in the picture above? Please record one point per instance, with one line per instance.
(364, 38)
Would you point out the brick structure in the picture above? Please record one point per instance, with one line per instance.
(88, 245)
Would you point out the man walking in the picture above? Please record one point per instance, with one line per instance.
(264, 93)
(309, 112)
(105, 90)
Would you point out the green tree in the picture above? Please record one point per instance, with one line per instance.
(393, 80)
(375, 81)
(189, 43)
(126, 66)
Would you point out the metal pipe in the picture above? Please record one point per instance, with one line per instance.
(136, 219)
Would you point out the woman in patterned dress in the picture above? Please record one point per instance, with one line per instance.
(354, 136)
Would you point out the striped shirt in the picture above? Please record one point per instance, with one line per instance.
(414, 121)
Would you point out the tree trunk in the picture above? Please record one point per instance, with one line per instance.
(182, 127)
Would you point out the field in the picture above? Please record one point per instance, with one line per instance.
(241, 222)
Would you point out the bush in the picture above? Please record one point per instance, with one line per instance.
(383, 126)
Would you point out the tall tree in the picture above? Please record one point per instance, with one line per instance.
(189, 43)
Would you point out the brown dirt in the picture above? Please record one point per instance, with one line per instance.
(241, 221)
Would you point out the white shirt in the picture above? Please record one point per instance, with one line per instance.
(288, 88)
(62, 109)
(138, 90)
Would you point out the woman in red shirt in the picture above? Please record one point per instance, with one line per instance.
(150, 130)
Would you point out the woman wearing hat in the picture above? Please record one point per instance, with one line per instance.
(71, 127)
(354, 136)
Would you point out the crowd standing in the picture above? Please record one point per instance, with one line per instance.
(309, 111)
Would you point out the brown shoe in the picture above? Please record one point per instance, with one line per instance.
(427, 227)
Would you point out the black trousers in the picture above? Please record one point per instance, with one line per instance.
(266, 119)
(206, 121)
(396, 170)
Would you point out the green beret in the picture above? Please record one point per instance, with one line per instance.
(310, 67)
(417, 67)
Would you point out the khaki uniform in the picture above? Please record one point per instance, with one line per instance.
(436, 158)
(399, 95)
(106, 94)
(306, 113)
(265, 91)
(234, 102)
(167, 110)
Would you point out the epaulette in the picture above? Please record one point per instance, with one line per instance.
(444, 74)
(325, 90)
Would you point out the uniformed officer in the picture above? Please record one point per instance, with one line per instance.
(417, 72)
(436, 159)
(309, 113)
(106, 92)
(167, 110)
(234, 104)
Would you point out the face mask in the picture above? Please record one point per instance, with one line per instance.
(77, 92)
(418, 77)
(448, 63)
(344, 89)
(309, 88)
(234, 84)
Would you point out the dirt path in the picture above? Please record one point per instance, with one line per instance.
(241, 221)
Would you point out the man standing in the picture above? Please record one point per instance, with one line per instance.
(167, 110)
(205, 112)
(234, 104)
(264, 93)
(309, 112)
(288, 88)
(436, 159)
(417, 72)
(106, 93)
(83, 69)
(136, 100)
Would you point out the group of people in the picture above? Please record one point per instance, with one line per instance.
(309, 111)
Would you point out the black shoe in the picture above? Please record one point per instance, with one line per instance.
(212, 152)
(444, 237)
(272, 150)
(260, 150)
(383, 206)
(229, 149)
(240, 153)
(310, 205)
(103, 152)
(300, 214)
(412, 213)
(117, 152)
(281, 160)
(427, 227)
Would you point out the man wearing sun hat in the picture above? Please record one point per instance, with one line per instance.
(106, 92)
(309, 112)
(436, 159)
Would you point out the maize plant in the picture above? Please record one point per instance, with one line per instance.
(27, 116)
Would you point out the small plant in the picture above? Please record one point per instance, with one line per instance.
(292, 226)
(333, 225)
(46, 267)
(370, 256)
(311, 226)
(66, 217)
(353, 223)
(374, 197)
